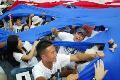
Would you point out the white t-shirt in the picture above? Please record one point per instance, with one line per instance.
(24, 64)
(41, 70)
(18, 57)
(92, 35)
(64, 36)
(33, 26)
(3, 6)
(17, 28)
(40, 20)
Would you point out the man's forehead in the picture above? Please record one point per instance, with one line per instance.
(51, 48)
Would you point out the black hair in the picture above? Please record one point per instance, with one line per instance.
(12, 42)
(42, 45)
(1, 24)
(24, 27)
(12, 46)
(5, 10)
(2, 3)
(16, 18)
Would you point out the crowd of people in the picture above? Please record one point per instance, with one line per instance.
(42, 59)
(48, 61)
(19, 24)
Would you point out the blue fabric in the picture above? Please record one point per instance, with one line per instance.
(108, 17)
(81, 46)
(4, 34)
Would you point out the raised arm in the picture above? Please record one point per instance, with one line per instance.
(30, 20)
(86, 57)
(55, 31)
(30, 55)
(10, 22)
(100, 71)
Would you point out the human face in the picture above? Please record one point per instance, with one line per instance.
(20, 45)
(50, 54)
(18, 22)
(78, 37)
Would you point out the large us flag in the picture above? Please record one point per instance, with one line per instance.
(97, 1)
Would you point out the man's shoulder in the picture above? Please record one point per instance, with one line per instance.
(38, 65)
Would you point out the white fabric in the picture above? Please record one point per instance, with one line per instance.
(39, 1)
(36, 19)
(41, 70)
(3, 6)
(32, 26)
(91, 50)
(97, 1)
(27, 46)
(25, 74)
(64, 36)
(70, 0)
(23, 64)
(92, 35)
(17, 28)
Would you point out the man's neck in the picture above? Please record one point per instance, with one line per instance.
(48, 64)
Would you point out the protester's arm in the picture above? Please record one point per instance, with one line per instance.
(31, 53)
(30, 20)
(85, 57)
(4, 23)
(100, 71)
(10, 22)
(55, 32)
(72, 77)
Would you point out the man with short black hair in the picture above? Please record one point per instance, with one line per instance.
(51, 61)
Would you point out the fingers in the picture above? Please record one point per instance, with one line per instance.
(32, 15)
(101, 63)
(35, 43)
(106, 72)
(98, 64)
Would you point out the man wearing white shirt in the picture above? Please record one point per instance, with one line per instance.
(51, 61)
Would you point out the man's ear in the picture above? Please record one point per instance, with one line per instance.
(43, 57)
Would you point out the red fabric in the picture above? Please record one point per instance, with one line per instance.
(45, 4)
(84, 4)
(87, 4)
